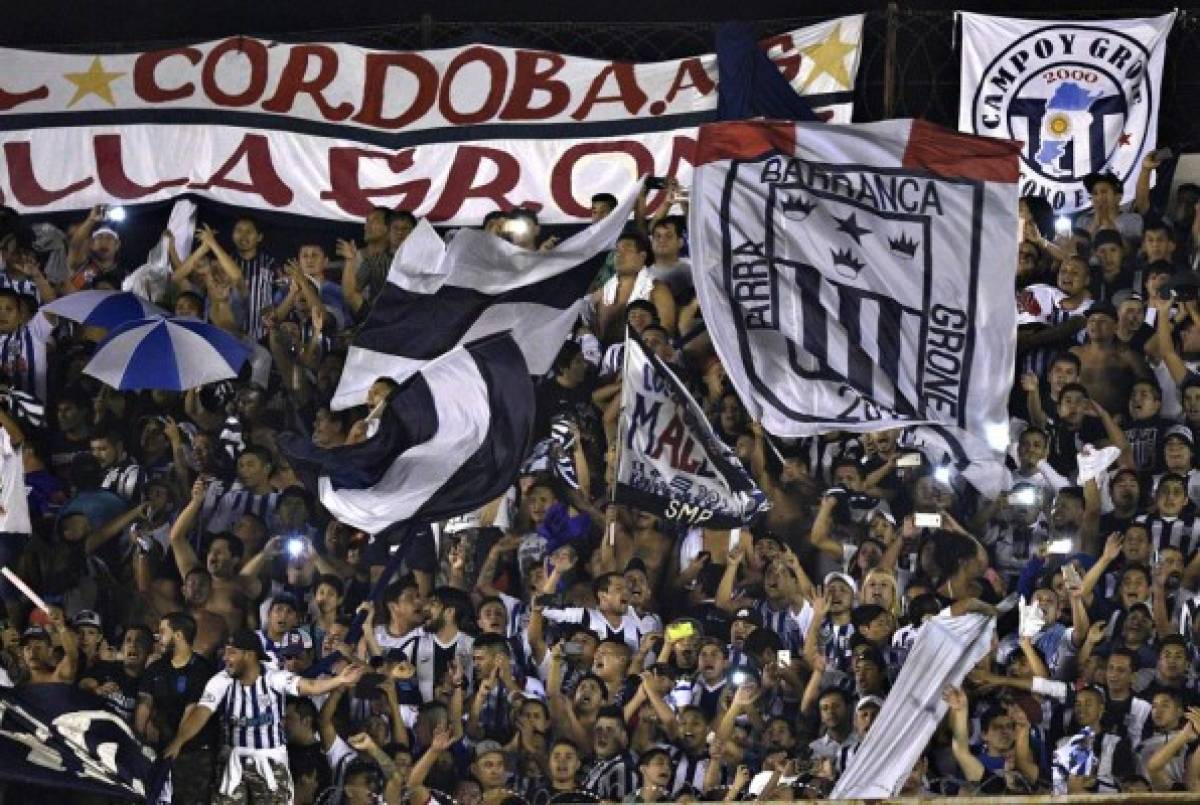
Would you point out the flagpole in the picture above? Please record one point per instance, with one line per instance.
(621, 424)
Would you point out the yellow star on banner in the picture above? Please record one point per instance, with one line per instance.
(94, 82)
(829, 58)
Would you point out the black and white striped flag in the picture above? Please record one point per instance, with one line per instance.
(24, 407)
(450, 439)
(438, 296)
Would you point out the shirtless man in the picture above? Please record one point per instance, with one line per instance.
(211, 628)
(230, 591)
(791, 492)
(37, 649)
(630, 262)
(1108, 368)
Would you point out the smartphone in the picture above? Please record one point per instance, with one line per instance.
(681, 631)
(656, 183)
(783, 657)
(706, 556)
(1062, 546)
(572, 648)
(923, 520)
(909, 460)
(546, 600)
(1163, 154)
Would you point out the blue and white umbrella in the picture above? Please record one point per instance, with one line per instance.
(167, 353)
(106, 309)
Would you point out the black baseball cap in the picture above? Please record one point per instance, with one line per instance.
(246, 640)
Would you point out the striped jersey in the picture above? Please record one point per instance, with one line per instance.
(1042, 304)
(222, 508)
(125, 479)
(689, 770)
(259, 272)
(1177, 532)
(252, 715)
(613, 778)
(23, 356)
(630, 629)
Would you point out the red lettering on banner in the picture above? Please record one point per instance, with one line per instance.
(110, 170)
(788, 59)
(563, 171)
(683, 148)
(264, 179)
(692, 71)
(628, 91)
(496, 84)
(527, 78)
(26, 188)
(10, 99)
(145, 82)
(354, 199)
(292, 82)
(460, 181)
(255, 52)
(375, 79)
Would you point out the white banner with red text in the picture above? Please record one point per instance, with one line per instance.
(331, 130)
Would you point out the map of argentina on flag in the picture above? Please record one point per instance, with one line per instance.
(1081, 96)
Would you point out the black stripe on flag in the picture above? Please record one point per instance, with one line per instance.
(423, 326)
(451, 438)
(860, 367)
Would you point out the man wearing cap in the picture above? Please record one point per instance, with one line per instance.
(1106, 190)
(93, 248)
(37, 649)
(250, 696)
(282, 617)
(1133, 329)
(827, 622)
(89, 627)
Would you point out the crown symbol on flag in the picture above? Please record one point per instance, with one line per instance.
(797, 208)
(904, 245)
(847, 264)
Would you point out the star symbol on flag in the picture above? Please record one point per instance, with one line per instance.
(850, 226)
(1125, 138)
(96, 81)
(829, 58)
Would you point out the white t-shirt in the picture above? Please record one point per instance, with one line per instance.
(14, 497)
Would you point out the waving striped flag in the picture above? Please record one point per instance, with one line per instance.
(450, 439)
(439, 296)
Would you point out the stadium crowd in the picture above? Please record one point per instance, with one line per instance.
(201, 592)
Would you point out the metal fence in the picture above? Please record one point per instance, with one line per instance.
(909, 65)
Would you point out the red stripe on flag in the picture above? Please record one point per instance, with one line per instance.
(961, 156)
(744, 140)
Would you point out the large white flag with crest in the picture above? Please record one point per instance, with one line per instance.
(858, 278)
(1081, 95)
